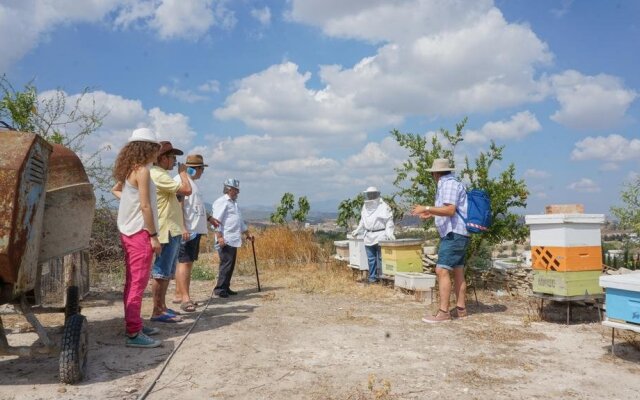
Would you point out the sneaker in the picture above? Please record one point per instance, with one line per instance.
(459, 312)
(232, 292)
(441, 316)
(224, 295)
(149, 331)
(142, 340)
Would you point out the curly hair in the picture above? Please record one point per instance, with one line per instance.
(132, 156)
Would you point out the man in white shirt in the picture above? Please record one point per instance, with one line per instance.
(195, 223)
(228, 235)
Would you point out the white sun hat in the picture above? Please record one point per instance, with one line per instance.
(143, 135)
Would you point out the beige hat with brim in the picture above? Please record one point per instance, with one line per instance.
(441, 165)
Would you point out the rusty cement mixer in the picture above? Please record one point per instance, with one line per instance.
(46, 212)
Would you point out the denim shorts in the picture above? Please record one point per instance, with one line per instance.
(164, 267)
(452, 251)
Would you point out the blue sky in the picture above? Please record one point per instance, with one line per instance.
(300, 95)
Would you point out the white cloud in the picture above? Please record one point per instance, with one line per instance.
(312, 166)
(386, 154)
(535, 173)
(590, 102)
(23, 24)
(610, 148)
(184, 95)
(277, 101)
(519, 126)
(371, 19)
(211, 86)
(263, 15)
(171, 19)
(190, 18)
(172, 127)
(584, 185)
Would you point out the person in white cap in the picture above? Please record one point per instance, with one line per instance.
(138, 226)
(376, 224)
(228, 234)
(449, 211)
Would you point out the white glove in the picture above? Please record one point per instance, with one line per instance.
(355, 233)
(391, 236)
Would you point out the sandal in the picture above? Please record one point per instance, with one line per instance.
(188, 306)
(168, 318)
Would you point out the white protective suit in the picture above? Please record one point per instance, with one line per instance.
(376, 222)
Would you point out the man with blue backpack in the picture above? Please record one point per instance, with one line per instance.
(450, 215)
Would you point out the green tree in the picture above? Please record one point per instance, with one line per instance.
(286, 210)
(629, 214)
(416, 185)
(349, 212)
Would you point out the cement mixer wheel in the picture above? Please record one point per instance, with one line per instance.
(73, 352)
(72, 306)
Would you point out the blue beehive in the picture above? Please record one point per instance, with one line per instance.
(622, 297)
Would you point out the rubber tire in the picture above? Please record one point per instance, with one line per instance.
(72, 306)
(74, 349)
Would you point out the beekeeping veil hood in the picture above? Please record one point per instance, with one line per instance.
(371, 198)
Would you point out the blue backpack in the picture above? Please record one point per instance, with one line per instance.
(478, 211)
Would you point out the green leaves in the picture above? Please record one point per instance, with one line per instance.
(286, 208)
(629, 215)
(416, 185)
(349, 212)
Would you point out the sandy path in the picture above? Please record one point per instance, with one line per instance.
(285, 344)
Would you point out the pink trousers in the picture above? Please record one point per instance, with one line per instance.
(138, 256)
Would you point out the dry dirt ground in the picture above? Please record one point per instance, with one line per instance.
(298, 341)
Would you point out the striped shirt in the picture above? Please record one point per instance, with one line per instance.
(451, 191)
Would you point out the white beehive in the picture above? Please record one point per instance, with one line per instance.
(357, 254)
(565, 230)
(415, 281)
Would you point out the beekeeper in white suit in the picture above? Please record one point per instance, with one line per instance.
(376, 224)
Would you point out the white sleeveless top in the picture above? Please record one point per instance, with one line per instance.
(130, 218)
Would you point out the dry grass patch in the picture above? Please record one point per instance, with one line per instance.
(499, 333)
(350, 317)
(476, 379)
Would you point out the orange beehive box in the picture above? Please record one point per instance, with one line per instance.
(565, 259)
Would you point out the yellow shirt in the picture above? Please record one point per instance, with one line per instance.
(169, 210)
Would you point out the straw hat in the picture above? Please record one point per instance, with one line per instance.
(195, 160)
(441, 165)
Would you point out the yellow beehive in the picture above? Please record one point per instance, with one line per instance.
(577, 283)
(402, 255)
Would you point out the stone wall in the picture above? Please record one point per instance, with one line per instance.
(515, 281)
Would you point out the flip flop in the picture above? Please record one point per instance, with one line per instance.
(188, 307)
(168, 318)
(172, 311)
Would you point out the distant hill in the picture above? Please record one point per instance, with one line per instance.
(258, 213)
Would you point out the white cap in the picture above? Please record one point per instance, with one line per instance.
(371, 189)
(231, 182)
(143, 135)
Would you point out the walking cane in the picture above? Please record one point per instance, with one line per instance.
(253, 247)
